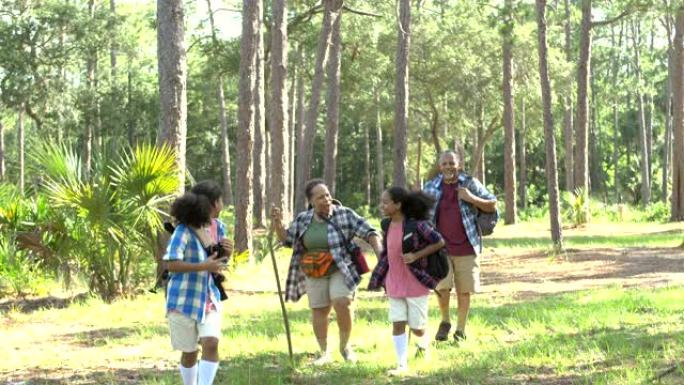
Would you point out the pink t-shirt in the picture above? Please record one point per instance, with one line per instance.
(400, 282)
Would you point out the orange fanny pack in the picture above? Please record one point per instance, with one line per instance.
(315, 264)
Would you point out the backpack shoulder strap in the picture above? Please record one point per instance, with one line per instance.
(410, 226)
(384, 224)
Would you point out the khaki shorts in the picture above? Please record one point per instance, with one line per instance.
(412, 310)
(321, 291)
(464, 274)
(186, 332)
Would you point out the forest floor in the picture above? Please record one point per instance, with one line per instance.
(79, 340)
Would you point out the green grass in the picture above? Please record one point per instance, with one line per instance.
(608, 335)
(605, 336)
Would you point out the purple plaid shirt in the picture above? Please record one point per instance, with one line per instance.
(349, 222)
(424, 236)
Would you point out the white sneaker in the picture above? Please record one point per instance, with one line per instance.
(349, 355)
(399, 371)
(323, 359)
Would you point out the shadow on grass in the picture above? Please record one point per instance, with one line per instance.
(614, 264)
(102, 337)
(24, 305)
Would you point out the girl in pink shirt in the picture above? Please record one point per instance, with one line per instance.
(408, 296)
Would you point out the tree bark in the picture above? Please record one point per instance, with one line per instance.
(582, 134)
(615, 59)
(20, 149)
(567, 109)
(667, 146)
(225, 141)
(305, 160)
(172, 81)
(2, 152)
(677, 210)
(643, 142)
(367, 166)
(260, 132)
(379, 158)
(402, 94)
(292, 140)
(509, 126)
(90, 108)
(299, 133)
(549, 136)
(113, 47)
(523, 156)
(279, 109)
(251, 19)
(333, 106)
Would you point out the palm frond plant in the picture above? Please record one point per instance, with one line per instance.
(115, 213)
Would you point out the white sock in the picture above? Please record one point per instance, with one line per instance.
(207, 372)
(401, 347)
(189, 375)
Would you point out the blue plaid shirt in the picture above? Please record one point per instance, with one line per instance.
(468, 211)
(349, 222)
(187, 292)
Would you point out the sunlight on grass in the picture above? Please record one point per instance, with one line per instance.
(608, 335)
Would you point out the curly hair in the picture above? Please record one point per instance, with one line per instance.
(208, 188)
(414, 204)
(192, 209)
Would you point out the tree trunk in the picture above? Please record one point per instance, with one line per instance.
(367, 179)
(129, 106)
(90, 108)
(225, 141)
(260, 132)
(677, 210)
(667, 146)
(20, 149)
(279, 109)
(582, 134)
(379, 158)
(114, 46)
(523, 157)
(643, 145)
(2, 152)
(567, 110)
(419, 158)
(509, 126)
(298, 129)
(476, 159)
(305, 160)
(549, 136)
(172, 81)
(251, 19)
(615, 59)
(402, 94)
(333, 106)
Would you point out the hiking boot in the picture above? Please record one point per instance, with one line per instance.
(459, 336)
(443, 331)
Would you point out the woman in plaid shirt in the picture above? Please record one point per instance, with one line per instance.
(192, 300)
(320, 233)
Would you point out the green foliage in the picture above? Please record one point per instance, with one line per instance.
(575, 208)
(115, 214)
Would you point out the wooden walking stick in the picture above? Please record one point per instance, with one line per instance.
(280, 296)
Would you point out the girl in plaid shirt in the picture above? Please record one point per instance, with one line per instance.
(192, 300)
